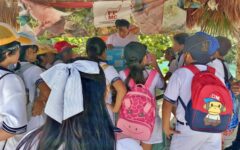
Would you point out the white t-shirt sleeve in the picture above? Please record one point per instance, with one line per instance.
(122, 76)
(159, 81)
(173, 89)
(111, 74)
(34, 74)
(13, 105)
(110, 40)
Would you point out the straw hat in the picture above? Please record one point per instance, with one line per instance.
(27, 39)
(44, 49)
(7, 34)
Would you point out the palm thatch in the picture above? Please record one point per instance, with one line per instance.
(9, 12)
(223, 21)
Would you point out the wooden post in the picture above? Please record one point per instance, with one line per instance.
(238, 61)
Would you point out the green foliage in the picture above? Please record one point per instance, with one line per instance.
(83, 18)
(156, 44)
(231, 56)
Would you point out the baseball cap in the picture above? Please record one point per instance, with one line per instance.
(214, 44)
(62, 45)
(7, 34)
(225, 45)
(198, 46)
(44, 49)
(134, 52)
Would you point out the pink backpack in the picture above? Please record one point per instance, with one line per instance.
(137, 114)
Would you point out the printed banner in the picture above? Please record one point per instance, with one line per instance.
(107, 12)
(115, 58)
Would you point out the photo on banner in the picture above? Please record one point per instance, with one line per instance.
(85, 18)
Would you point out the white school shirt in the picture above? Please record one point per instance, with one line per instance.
(118, 41)
(13, 115)
(217, 64)
(57, 62)
(157, 83)
(111, 76)
(180, 85)
(32, 79)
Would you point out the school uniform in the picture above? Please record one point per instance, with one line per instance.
(31, 78)
(112, 76)
(172, 66)
(118, 41)
(13, 117)
(57, 62)
(217, 64)
(128, 144)
(157, 83)
(180, 59)
(177, 63)
(180, 86)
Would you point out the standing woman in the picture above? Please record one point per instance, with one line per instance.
(37, 91)
(96, 50)
(13, 116)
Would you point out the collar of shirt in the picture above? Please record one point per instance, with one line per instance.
(5, 69)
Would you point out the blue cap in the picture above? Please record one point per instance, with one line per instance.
(214, 44)
(207, 100)
(198, 46)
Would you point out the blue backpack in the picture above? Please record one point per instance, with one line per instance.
(234, 121)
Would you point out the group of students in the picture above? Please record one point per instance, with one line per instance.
(63, 103)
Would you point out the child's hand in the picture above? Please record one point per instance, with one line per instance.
(169, 132)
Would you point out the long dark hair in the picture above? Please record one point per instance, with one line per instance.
(95, 47)
(136, 73)
(90, 130)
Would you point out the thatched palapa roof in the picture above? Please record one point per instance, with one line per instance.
(9, 12)
(224, 21)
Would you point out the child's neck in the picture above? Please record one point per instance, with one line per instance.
(4, 64)
(219, 57)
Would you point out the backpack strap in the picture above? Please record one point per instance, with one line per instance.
(182, 103)
(195, 70)
(151, 77)
(211, 70)
(5, 75)
(226, 77)
(192, 68)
